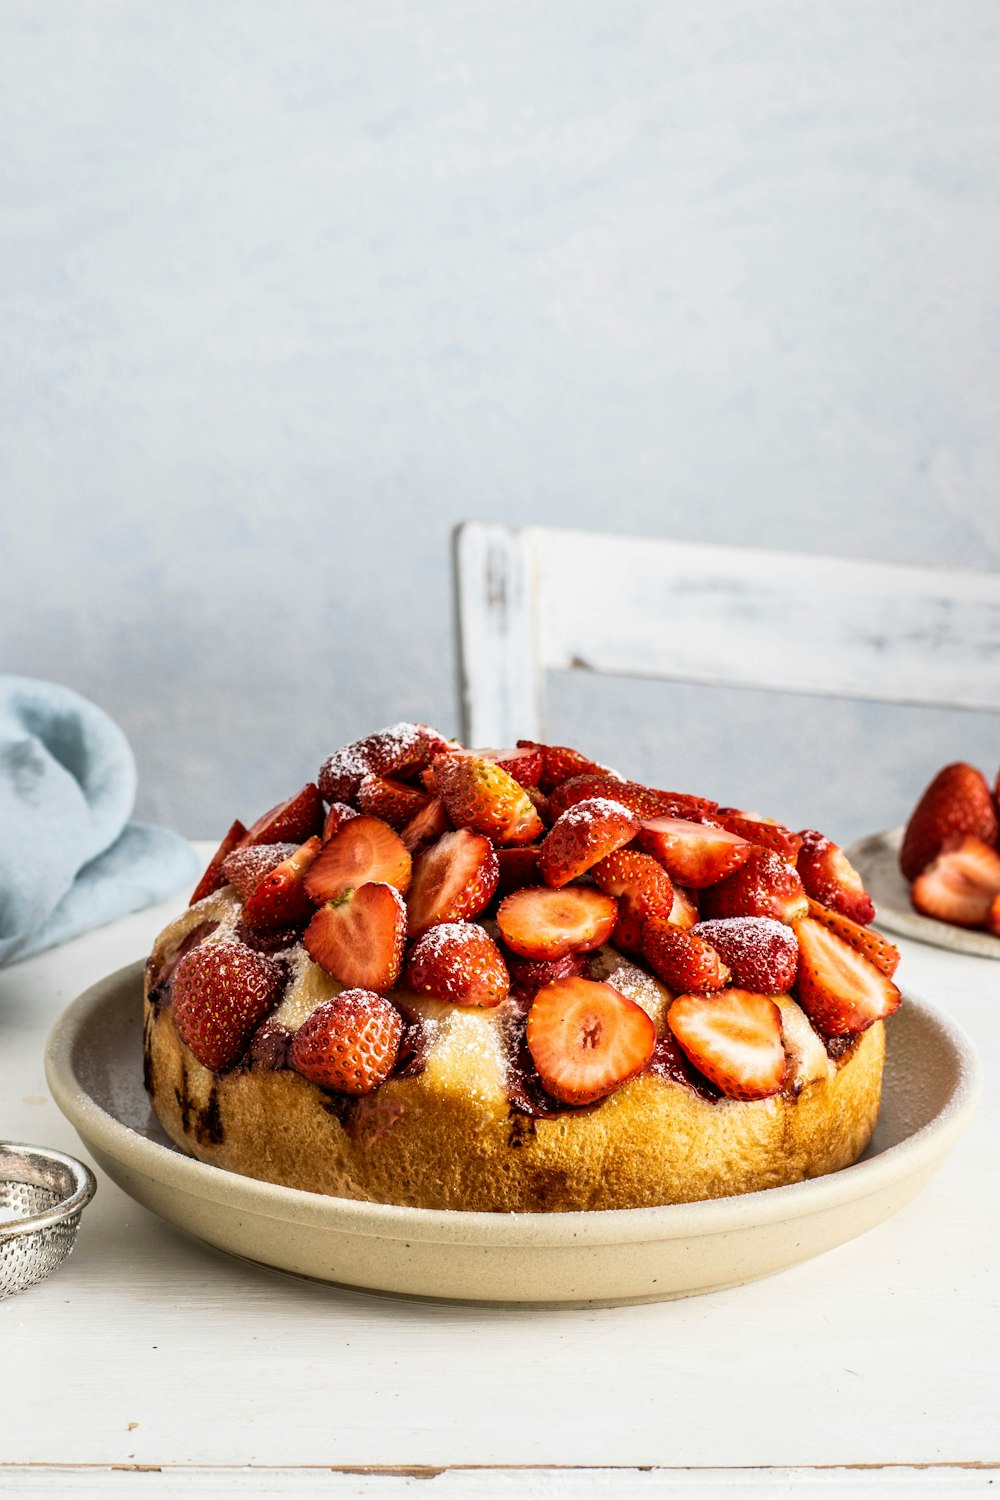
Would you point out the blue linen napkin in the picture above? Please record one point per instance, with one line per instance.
(70, 859)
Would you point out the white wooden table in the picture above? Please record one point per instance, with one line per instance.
(152, 1365)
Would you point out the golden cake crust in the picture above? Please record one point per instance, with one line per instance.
(448, 1137)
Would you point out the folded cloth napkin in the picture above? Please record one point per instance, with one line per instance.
(70, 859)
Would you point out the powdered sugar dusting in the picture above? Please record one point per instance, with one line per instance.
(592, 808)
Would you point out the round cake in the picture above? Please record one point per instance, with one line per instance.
(511, 980)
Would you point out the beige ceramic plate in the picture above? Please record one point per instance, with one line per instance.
(876, 859)
(94, 1068)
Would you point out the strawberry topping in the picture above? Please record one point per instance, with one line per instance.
(214, 877)
(359, 936)
(425, 826)
(392, 801)
(766, 886)
(760, 953)
(339, 813)
(479, 795)
(542, 923)
(349, 1043)
(582, 836)
(246, 867)
(458, 961)
(280, 898)
(761, 831)
(453, 880)
(290, 822)
(642, 889)
(694, 854)
(839, 990)
(876, 948)
(362, 850)
(734, 1038)
(829, 877)
(518, 868)
(682, 959)
(524, 762)
(586, 1039)
(221, 992)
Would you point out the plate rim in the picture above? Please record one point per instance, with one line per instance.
(172, 1169)
(913, 924)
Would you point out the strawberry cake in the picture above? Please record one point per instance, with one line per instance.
(513, 980)
(950, 852)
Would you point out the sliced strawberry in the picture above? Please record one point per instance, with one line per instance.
(694, 854)
(518, 868)
(957, 801)
(458, 961)
(359, 936)
(642, 889)
(290, 822)
(453, 881)
(876, 948)
(392, 801)
(361, 851)
(542, 923)
(582, 836)
(280, 898)
(529, 974)
(425, 826)
(214, 877)
(839, 990)
(349, 1043)
(766, 886)
(586, 1039)
(524, 763)
(961, 884)
(761, 831)
(682, 959)
(559, 762)
(644, 801)
(339, 813)
(829, 877)
(480, 796)
(761, 954)
(734, 1038)
(221, 992)
(684, 912)
(246, 866)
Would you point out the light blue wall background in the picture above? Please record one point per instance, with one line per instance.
(287, 290)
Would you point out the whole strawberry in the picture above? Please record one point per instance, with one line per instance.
(957, 802)
(349, 1043)
(762, 955)
(460, 962)
(221, 992)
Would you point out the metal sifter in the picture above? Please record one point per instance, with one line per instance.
(42, 1195)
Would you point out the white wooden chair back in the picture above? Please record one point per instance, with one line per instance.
(534, 599)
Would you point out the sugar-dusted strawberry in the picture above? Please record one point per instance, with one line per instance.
(453, 880)
(214, 877)
(877, 949)
(957, 802)
(290, 822)
(337, 815)
(221, 991)
(392, 801)
(644, 801)
(359, 936)
(518, 868)
(480, 796)
(684, 912)
(763, 831)
(829, 877)
(560, 762)
(765, 886)
(760, 953)
(693, 854)
(246, 866)
(524, 762)
(642, 889)
(340, 774)
(348, 1043)
(683, 960)
(541, 923)
(839, 990)
(460, 962)
(734, 1038)
(403, 748)
(280, 898)
(362, 850)
(960, 885)
(529, 974)
(425, 826)
(582, 836)
(586, 1039)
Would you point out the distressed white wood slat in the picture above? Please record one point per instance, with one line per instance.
(500, 680)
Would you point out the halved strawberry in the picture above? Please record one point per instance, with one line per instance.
(684, 912)
(877, 949)
(586, 1039)
(734, 1038)
(290, 822)
(524, 762)
(478, 795)
(246, 866)
(582, 836)
(359, 936)
(460, 962)
(221, 991)
(362, 850)
(642, 889)
(682, 959)
(280, 898)
(761, 831)
(644, 801)
(761, 954)
(961, 885)
(425, 826)
(518, 868)
(559, 762)
(402, 747)
(957, 802)
(214, 877)
(349, 1043)
(392, 801)
(829, 877)
(453, 881)
(694, 854)
(529, 974)
(766, 886)
(541, 923)
(839, 990)
(339, 813)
